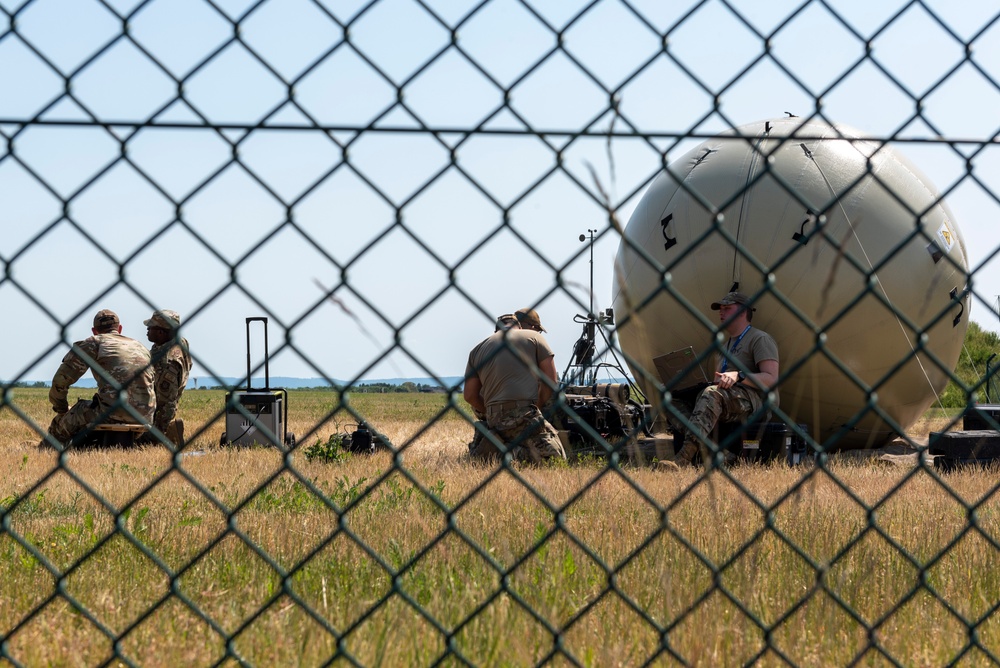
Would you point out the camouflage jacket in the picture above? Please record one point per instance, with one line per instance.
(115, 361)
(171, 365)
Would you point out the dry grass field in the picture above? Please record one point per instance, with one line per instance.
(220, 556)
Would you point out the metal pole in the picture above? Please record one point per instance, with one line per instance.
(592, 272)
(584, 362)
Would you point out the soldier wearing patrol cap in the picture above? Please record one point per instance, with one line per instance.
(116, 361)
(171, 364)
(745, 373)
(504, 381)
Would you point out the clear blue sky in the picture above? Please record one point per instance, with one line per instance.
(178, 214)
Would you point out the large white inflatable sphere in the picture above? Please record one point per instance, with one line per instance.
(855, 265)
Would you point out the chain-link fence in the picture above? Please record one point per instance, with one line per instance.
(381, 180)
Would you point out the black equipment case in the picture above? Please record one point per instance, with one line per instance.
(257, 416)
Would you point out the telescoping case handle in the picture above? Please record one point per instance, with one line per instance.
(267, 373)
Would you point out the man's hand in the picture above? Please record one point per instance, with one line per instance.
(727, 379)
(764, 378)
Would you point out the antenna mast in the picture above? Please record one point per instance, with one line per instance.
(582, 359)
(583, 238)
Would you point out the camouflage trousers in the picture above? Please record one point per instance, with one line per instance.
(525, 431)
(165, 414)
(714, 405)
(85, 412)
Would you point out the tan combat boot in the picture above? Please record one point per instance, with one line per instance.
(175, 432)
(682, 459)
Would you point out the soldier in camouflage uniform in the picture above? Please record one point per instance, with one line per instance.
(171, 364)
(502, 382)
(116, 362)
(736, 394)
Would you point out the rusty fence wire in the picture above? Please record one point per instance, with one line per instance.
(295, 159)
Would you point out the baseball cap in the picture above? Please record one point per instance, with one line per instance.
(106, 319)
(732, 298)
(528, 317)
(164, 318)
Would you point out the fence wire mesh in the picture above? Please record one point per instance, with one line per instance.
(380, 180)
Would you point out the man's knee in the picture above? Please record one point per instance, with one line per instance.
(66, 425)
(545, 442)
(712, 395)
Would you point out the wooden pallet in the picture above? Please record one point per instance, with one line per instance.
(111, 435)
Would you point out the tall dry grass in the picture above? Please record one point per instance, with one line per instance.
(399, 559)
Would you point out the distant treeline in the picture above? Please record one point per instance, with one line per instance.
(366, 388)
(29, 383)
